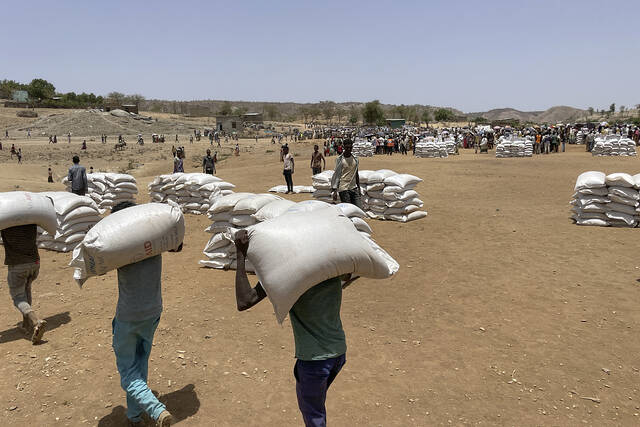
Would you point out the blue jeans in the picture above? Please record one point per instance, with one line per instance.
(132, 346)
(313, 378)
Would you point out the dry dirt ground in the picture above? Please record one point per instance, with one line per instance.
(503, 311)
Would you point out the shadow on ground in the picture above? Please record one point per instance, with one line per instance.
(182, 404)
(17, 333)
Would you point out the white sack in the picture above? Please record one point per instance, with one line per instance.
(620, 179)
(23, 208)
(591, 179)
(272, 209)
(316, 246)
(128, 236)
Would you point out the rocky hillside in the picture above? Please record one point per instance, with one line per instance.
(558, 114)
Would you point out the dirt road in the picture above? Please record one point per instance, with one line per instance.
(503, 312)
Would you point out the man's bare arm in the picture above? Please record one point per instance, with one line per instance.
(246, 296)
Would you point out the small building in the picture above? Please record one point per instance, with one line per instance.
(252, 118)
(20, 96)
(395, 123)
(130, 108)
(228, 123)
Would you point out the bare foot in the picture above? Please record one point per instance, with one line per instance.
(38, 332)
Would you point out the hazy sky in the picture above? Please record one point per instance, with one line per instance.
(471, 55)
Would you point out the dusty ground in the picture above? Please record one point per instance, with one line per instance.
(503, 312)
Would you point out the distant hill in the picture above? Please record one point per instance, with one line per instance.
(558, 114)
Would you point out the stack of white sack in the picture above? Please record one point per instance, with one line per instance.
(391, 196)
(431, 148)
(297, 189)
(450, 145)
(613, 145)
(128, 236)
(298, 250)
(231, 213)
(25, 208)
(363, 148)
(611, 200)
(385, 194)
(109, 189)
(322, 185)
(193, 192)
(75, 216)
(511, 147)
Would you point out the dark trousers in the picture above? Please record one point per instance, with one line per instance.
(316, 171)
(351, 196)
(313, 379)
(288, 179)
(81, 192)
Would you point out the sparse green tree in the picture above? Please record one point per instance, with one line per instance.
(372, 113)
(328, 109)
(226, 109)
(443, 115)
(354, 114)
(612, 108)
(590, 110)
(116, 98)
(426, 117)
(271, 112)
(622, 110)
(41, 89)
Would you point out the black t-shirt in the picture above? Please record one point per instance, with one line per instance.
(20, 244)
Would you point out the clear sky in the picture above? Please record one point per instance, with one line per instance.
(470, 55)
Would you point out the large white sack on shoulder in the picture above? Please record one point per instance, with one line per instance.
(620, 179)
(23, 208)
(402, 180)
(591, 179)
(317, 246)
(273, 209)
(128, 236)
(349, 210)
(308, 206)
(227, 203)
(251, 205)
(361, 225)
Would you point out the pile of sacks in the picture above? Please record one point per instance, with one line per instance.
(606, 200)
(75, 216)
(193, 192)
(509, 147)
(386, 194)
(613, 145)
(109, 189)
(242, 210)
(430, 148)
(450, 145)
(231, 213)
(363, 148)
(297, 189)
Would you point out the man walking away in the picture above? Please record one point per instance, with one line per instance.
(78, 177)
(316, 158)
(289, 167)
(134, 325)
(23, 261)
(345, 181)
(208, 164)
(319, 338)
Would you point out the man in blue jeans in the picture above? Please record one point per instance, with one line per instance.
(137, 317)
(317, 331)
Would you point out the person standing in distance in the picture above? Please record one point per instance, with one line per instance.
(345, 181)
(209, 164)
(316, 158)
(78, 177)
(289, 167)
